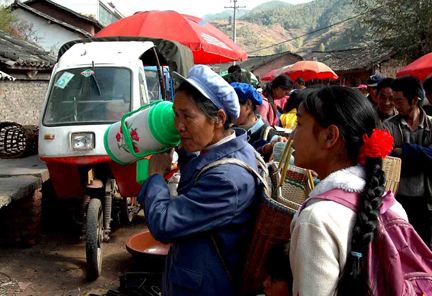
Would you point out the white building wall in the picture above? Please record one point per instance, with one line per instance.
(49, 36)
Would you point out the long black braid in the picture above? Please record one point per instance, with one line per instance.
(338, 106)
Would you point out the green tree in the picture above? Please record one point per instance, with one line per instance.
(21, 29)
(284, 47)
(401, 26)
(300, 42)
(6, 20)
(229, 20)
(322, 47)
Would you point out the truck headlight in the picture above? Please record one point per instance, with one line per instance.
(83, 141)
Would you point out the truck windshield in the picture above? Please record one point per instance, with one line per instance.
(89, 95)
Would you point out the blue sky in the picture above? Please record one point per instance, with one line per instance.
(192, 7)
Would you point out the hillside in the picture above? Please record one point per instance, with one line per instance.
(225, 15)
(269, 5)
(270, 26)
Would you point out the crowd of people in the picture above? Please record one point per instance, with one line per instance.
(337, 132)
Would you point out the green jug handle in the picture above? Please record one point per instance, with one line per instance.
(128, 138)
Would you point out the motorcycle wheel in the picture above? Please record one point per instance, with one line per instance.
(94, 237)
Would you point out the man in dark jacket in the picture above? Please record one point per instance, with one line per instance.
(412, 132)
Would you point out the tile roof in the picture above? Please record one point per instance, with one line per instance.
(351, 59)
(79, 15)
(16, 53)
(254, 62)
(21, 5)
(4, 76)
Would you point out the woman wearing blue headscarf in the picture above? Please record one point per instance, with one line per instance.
(260, 134)
(219, 207)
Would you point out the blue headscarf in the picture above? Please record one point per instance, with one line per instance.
(247, 92)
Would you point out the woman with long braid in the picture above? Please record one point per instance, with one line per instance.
(337, 137)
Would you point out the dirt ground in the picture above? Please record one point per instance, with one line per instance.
(56, 265)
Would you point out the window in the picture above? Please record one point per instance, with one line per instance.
(105, 16)
(143, 92)
(153, 85)
(89, 95)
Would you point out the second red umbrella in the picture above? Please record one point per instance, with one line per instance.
(309, 70)
(420, 68)
(208, 44)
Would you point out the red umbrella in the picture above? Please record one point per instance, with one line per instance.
(269, 76)
(208, 44)
(309, 70)
(420, 68)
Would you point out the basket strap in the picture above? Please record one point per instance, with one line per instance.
(213, 235)
(237, 162)
(266, 132)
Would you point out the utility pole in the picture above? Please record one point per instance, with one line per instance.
(235, 7)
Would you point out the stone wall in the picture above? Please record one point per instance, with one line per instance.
(21, 101)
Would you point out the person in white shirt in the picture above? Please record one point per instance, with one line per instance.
(337, 137)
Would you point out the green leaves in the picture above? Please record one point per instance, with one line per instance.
(401, 26)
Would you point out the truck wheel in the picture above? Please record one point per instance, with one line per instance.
(94, 238)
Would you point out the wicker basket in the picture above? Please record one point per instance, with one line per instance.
(295, 188)
(273, 223)
(272, 226)
(392, 168)
(17, 140)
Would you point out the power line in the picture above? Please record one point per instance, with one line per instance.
(324, 28)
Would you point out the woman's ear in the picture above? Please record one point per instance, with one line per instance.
(222, 117)
(330, 136)
(249, 105)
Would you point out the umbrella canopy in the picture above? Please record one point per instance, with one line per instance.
(281, 71)
(269, 75)
(309, 70)
(420, 68)
(208, 44)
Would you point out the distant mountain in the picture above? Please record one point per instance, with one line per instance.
(269, 26)
(270, 6)
(224, 15)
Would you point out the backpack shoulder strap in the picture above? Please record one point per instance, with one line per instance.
(351, 199)
(347, 199)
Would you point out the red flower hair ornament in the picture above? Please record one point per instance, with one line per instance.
(379, 144)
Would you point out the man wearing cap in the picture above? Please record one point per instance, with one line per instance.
(386, 107)
(372, 84)
(412, 133)
(260, 135)
(210, 221)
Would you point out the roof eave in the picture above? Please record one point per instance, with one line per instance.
(95, 22)
(47, 17)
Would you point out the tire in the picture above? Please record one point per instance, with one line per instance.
(94, 237)
(127, 214)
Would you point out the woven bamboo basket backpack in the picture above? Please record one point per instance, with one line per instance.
(275, 214)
